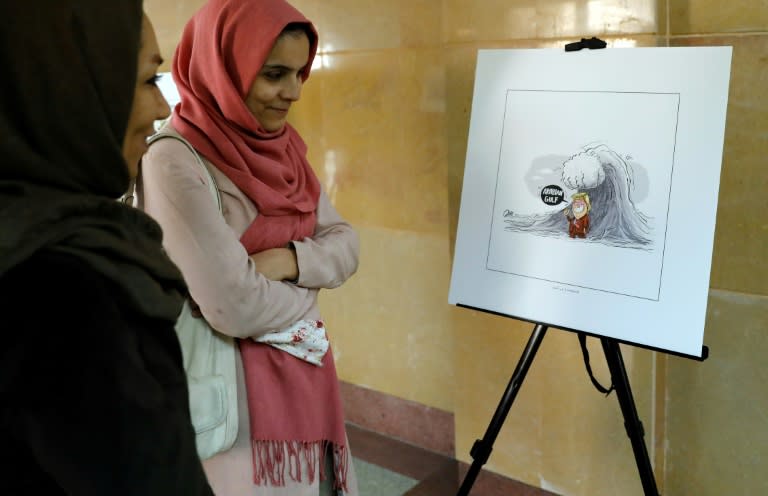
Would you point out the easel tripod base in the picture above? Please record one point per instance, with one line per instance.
(481, 450)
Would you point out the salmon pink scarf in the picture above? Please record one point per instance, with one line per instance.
(294, 406)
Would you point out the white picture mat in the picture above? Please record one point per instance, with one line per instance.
(168, 89)
(654, 120)
(663, 109)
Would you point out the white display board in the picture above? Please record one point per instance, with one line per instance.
(168, 89)
(170, 93)
(590, 190)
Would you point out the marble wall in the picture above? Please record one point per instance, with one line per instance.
(717, 428)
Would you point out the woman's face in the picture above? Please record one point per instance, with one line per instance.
(148, 103)
(278, 83)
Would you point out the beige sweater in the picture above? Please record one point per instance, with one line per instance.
(233, 296)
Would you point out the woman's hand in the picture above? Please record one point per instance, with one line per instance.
(277, 264)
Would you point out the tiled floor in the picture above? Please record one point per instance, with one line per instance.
(436, 475)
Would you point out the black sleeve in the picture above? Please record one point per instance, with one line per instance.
(94, 396)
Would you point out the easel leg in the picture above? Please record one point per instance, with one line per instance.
(481, 450)
(631, 420)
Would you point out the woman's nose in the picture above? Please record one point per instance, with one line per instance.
(292, 89)
(161, 106)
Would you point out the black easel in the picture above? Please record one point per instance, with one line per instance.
(481, 449)
(632, 422)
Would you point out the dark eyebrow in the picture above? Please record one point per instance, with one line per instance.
(282, 67)
(277, 66)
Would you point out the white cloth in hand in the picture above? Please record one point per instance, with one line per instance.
(306, 340)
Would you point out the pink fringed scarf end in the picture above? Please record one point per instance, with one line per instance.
(272, 458)
(340, 466)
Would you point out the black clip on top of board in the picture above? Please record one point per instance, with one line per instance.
(592, 43)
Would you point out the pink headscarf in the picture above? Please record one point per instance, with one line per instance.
(221, 52)
(293, 406)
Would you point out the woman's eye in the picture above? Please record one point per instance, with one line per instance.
(273, 75)
(154, 80)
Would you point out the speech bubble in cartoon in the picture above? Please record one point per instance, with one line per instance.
(552, 195)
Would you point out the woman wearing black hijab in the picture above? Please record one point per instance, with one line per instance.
(93, 397)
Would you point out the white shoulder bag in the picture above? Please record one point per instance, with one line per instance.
(209, 361)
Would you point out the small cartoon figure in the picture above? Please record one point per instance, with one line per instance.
(578, 215)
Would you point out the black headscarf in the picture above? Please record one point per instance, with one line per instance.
(69, 71)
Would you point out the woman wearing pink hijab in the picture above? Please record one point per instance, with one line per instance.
(255, 268)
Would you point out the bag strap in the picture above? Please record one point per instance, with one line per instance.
(212, 187)
(211, 181)
(585, 352)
